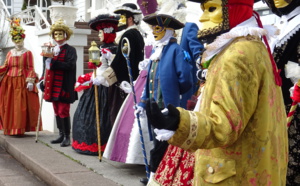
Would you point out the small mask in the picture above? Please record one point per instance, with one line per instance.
(122, 20)
(101, 35)
(280, 3)
(158, 32)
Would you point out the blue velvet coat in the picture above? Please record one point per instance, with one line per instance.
(173, 75)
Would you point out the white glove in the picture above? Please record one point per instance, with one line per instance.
(126, 87)
(140, 110)
(163, 134)
(47, 63)
(143, 65)
(100, 80)
(38, 85)
(30, 86)
(107, 54)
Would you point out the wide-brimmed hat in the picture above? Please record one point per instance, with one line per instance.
(163, 20)
(128, 8)
(104, 21)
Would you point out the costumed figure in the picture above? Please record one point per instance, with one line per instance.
(19, 101)
(59, 80)
(84, 122)
(182, 161)
(169, 74)
(117, 72)
(287, 56)
(124, 142)
(238, 134)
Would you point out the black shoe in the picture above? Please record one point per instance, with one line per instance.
(59, 139)
(144, 181)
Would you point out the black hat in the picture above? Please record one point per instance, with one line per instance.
(102, 21)
(163, 20)
(128, 8)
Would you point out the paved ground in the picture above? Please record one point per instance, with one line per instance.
(63, 166)
(13, 173)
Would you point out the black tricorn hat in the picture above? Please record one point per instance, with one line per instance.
(163, 20)
(101, 21)
(128, 8)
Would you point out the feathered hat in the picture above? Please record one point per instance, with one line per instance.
(108, 23)
(60, 25)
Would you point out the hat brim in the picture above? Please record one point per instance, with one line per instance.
(102, 19)
(124, 10)
(163, 20)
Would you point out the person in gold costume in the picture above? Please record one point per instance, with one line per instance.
(239, 132)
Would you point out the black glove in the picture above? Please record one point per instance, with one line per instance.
(158, 120)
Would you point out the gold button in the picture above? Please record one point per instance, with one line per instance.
(150, 91)
(211, 170)
(152, 70)
(151, 81)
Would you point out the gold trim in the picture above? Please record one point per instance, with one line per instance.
(193, 131)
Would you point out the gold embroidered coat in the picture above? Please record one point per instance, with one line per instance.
(239, 133)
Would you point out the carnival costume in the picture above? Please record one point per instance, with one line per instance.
(19, 101)
(239, 132)
(59, 80)
(168, 74)
(84, 122)
(287, 56)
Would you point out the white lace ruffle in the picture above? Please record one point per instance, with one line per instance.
(15, 52)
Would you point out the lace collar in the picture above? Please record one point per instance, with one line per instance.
(248, 27)
(15, 52)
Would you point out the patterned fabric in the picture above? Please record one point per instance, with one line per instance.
(240, 134)
(176, 168)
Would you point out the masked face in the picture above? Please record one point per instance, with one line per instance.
(59, 36)
(280, 3)
(158, 32)
(212, 14)
(101, 35)
(122, 20)
(19, 42)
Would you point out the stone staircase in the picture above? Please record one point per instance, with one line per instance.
(92, 37)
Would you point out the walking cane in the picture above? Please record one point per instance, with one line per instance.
(97, 120)
(39, 119)
(126, 51)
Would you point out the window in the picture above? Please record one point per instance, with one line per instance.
(8, 4)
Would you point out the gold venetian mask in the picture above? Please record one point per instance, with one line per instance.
(18, 40)
(280, 3)
(212, 14)
(158, 32)
(101, 35)
(59, 35)
(122, 20)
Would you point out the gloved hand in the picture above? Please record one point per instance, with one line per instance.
(100, 80)
(163, 134)
(143, 65)
(30, 86)
(159, 120)
(47, 63)
(126, 87)
(139, 110)
(106, 53)
(40, 85)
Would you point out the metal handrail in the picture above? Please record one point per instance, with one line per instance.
(33, 15)
(5, 8)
